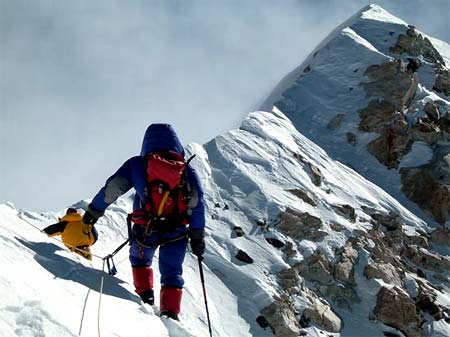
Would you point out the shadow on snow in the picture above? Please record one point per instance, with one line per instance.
(68, 269)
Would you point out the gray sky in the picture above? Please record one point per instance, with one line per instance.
(81, 80)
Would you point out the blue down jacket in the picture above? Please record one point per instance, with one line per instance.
(132, 174)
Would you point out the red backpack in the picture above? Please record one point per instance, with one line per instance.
(166, 190)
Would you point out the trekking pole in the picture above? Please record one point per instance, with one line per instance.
(202, 279)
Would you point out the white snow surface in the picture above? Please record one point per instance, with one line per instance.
(47, 291)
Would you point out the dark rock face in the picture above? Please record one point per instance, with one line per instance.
(301, 225)
(243, 256)
(395, 308)
(280, 316)
(385, 271)
(238, 231)
(415, 44)
(346, 210)
(275, 242)
(322, 315)
(391, 81)
(305, 196)
(429, 186)
(442, 83)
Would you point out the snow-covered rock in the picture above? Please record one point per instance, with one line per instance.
(363, 96)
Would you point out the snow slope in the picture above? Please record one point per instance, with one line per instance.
(247, 174)
(328, 83)
(47, 291)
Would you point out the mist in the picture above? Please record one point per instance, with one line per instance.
(81, 80)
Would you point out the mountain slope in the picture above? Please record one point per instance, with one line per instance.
(297, 243)
(252, 178)
(356, 97)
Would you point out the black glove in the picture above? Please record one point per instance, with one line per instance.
(197, 241)
(91, 215)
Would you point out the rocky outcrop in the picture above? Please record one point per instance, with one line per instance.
(428, 260)
(346, 210)
(290, 279)
(395, 308)
(391, 81)
(316, 268)
(415, 44)
(237, 232)
(280, 316)
(385, 271)
(344, 268)
(243, 257)
(301, 226)
(322, 315)
(305, 196)
(441, 236)
(429, 185)
(442, 83)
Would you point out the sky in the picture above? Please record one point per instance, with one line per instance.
(81, 80)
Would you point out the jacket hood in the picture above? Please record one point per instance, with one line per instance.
(161, 137)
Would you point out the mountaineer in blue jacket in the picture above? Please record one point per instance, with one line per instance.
(168, 209)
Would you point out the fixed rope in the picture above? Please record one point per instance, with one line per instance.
(107, 261)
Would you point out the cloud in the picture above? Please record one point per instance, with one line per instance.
(81, 80)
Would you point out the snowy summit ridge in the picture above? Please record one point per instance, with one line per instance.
(375, 95)
(298, 243)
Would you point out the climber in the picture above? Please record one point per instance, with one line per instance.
(168, 209)
(74, 234)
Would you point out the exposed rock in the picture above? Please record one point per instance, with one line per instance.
(238, 231)
(305, 196)
(417, 240)
(427, 259)
(426, 301)
(289, 250)
(351, 138)
(429, 185)
(262, 322)
(322, 315)
(275, 242)
(442, 83)
(344, 268)
(415, 44)
(391, 221)
(243, 256)
(441, 236)
(343, 272)
(336, 227)
(335, 123)
(280, 316)
(390, 147)
(385, 271)
(317, 176)
(344, 296)
(432, 111)
(395, 308)
(346, 210)
(316, 268)
(393, 82)
(376, 114)
(263, 225)
(290, 279)
(301, 226)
